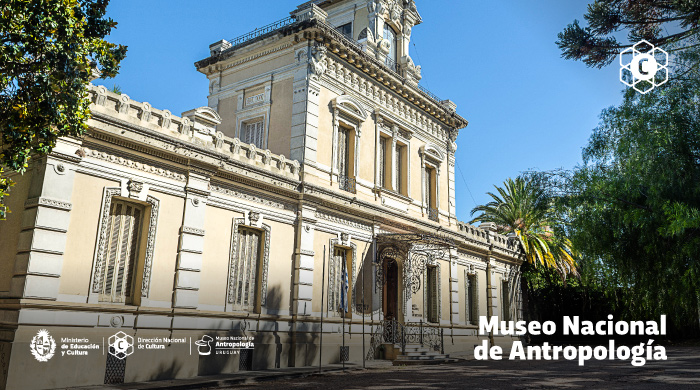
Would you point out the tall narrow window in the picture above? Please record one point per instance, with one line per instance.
(336, 282)
(399, 169)
(345, 170)
(430, 198)
(433, 292)
(382, 162)
(390, 36)
(505, 297)
(472, 299)
(252, 133)
(246, 279)
(122, 242)
(343, 151)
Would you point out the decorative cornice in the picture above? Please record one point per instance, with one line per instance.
(252, 197)
(130, 163)
(342, 220)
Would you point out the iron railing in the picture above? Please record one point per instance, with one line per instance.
(348, 184)
(260, 31)
(433, 214)
(428, 93)
(393, 332)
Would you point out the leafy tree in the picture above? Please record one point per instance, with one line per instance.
(596, 44)
(525, 208)
(50, 51)
(635, 201)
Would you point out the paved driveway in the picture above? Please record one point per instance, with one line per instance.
(681, 370)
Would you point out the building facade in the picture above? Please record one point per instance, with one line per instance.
(318, 163)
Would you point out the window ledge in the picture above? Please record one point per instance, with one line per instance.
(393, 199)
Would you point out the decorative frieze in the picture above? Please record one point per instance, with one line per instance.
(335, 218)
(257, 198)
(127, 162)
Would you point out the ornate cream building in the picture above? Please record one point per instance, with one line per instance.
(318, 150)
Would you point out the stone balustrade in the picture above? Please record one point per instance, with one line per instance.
(121, 106)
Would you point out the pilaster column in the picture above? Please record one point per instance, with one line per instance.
(423, 179)
(451, 148)
(490, 291)
(378, 122)
(437, 188)
(334, 156)
(454, 288)
(303, 289)
(191, 248)
(42, 241)
(311, 66)
(394, 179)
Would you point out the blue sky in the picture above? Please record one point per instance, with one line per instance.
(526, 106)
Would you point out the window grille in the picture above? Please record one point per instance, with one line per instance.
(505, 296)
(252, 133)
(335, 279)
(122, 252)
(247, 272)
(432, 286)
(472, 299)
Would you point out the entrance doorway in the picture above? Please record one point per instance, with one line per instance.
(391, 290)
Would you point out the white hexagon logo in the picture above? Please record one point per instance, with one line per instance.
(646, 69)
(121, 345)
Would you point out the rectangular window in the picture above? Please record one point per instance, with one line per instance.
(247, 272)
(382, 162)
(430, 194)
(122, 242)
(505, 299)
(399, 169)
(252, 133)
(343, 152)
(472, 300)
(336, 282)
(346, 30)
(432, 286)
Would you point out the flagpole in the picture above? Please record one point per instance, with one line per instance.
(323, 290)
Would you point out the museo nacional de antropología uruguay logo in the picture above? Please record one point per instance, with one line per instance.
(43, 346)
(643, 66)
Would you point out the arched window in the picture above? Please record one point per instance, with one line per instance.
(390, 36)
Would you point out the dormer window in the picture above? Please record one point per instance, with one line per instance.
(346, 30)
(390, 36)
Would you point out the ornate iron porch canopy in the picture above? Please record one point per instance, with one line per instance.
(417, 250)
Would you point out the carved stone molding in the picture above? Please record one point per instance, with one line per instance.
(234, 258)
(104, 156)
(192, 230)
(257, 198)
(48, 202)
(101, 247)
(343, 221)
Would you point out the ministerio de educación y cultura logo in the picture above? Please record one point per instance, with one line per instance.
(42, 346)
(646, 69)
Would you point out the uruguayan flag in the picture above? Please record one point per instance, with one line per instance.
(344, 290)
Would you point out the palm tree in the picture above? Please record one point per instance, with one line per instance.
(524, 208)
